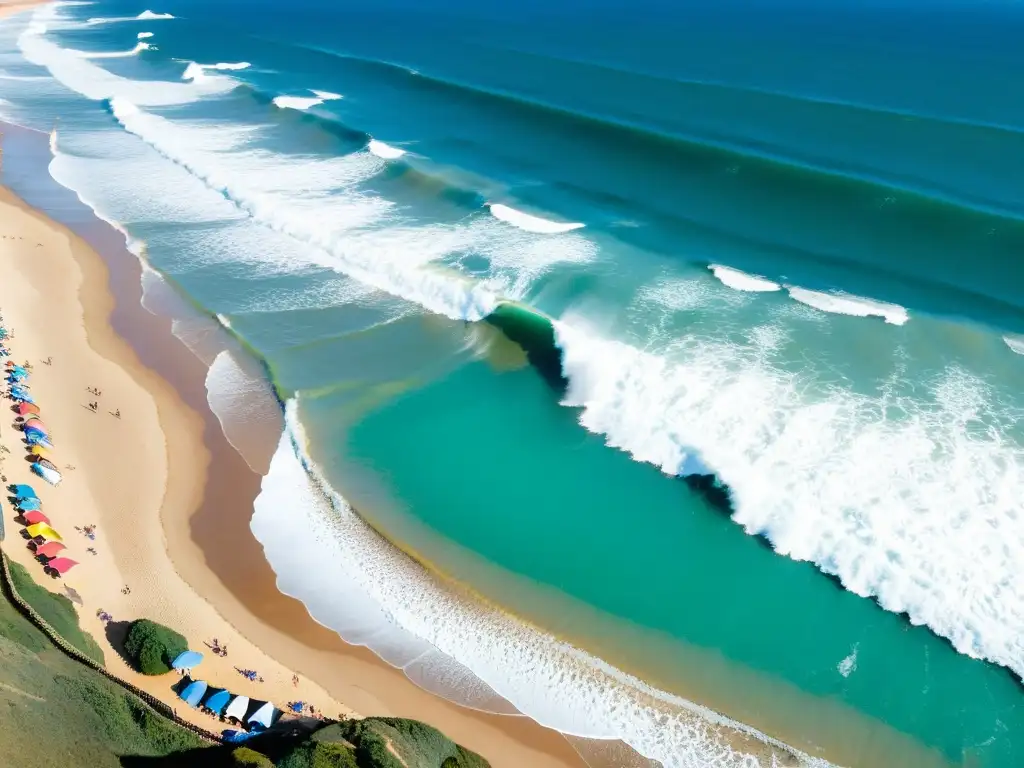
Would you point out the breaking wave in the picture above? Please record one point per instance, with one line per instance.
(841, 303)
(529, 222)
(384, 151)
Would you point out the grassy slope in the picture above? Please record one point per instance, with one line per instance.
(57, 713)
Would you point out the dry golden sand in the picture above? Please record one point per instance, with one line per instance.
(169, 526)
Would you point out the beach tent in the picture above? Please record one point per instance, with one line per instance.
(236, 737)
(35, 517)
(27, 409)
(62, 564)
(50, 548)
(51, 476)
(264, 716)
(193, 692)
(42, 529)
(237, 708)
(21, 395)
(23, 491)
(187, 660)
(38, 450)
(217, 702)
(29, 505)
(35, 424)
(37, 438)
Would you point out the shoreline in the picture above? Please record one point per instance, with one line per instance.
(243, 592)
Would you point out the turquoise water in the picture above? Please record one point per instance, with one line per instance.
(690, 336)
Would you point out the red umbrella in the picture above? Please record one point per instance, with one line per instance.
(62, 564)
(36, 517)
(50, 548)
(26, 409)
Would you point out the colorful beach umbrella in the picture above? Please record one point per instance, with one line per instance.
(187, 660)
(48, 464)
(264, 716)
(23, 491)
(32, 437)
(42, 529)
(29, 505)
(35, 517)
(217, 702)
(38, 450)
(193, 692)
(237, 708)
(52, 476)
(62, 564)
(35, 424)
(28, 409)
(50, 548)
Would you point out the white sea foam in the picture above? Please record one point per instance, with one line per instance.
(384, 151)
(847, 304)
(528, 222)
(96, 83)
(244, 402)
(195, 71)
(913, 500)
(305, 102)
(1015, 343)
(144, 35)
(139, 48)
(308, 201)
(742, 281)
(380, 595)
(144, 16)
(848, 665)
(150, 15)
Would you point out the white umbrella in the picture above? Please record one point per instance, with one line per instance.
(237, 708)
(263, 716)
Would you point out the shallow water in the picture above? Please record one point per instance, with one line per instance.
(507, 266)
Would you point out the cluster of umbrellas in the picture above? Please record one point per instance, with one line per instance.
(46, 542)
(222, 703)
(37, 435)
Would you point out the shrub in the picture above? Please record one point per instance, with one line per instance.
(57, 610)
(152, 647)
(244, 757)
(320, 754)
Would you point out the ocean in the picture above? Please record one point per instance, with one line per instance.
(651, 369)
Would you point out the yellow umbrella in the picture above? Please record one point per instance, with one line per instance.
(42, 529)
(38, 450)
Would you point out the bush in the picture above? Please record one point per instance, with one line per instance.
(56, 610)
(320, 754)
(152, 647)
(244, 757)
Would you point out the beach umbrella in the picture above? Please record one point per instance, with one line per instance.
(264, 716)
(237, 708)
(193, 692)
(62, 564)
(35, 517)
(31, 433)
(14, 378)
(218, 701)
(187, 660)
(37, 438)
(38, 450)
(52, 476)
(297, 706)
(27, 409)
(24, 397)
(48, 464)
(29, 505)
(50, 548)
(23, 491)
(44, 530)
(35, 424)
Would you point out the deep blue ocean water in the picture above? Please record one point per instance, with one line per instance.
(688, 333)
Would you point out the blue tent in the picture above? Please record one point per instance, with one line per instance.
(193, 692)
(35, 437)
(17, 369)
(29, 505)
(14, 378)
(24, 491)
(186, 660)
(18, 393)
(217, 702)
(236, 737)
(264, 716)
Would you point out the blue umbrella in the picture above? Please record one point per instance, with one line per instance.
(24, 491)
(35, 437)
(186, 660)
(217, 702)
(29, 505)
(193, 692)
(236, 737)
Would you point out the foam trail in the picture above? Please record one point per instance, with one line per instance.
(150, 15)
(327, 95)
(528, 222)
(1015, 343)
(848, 304)
(742, 281)
(390, 598)
(297, 102)
(139, 48)
(96, 83)
(144, 16)
(848, 665)
(911, 496)
(195, 71)
(144, 35)
(384, 151)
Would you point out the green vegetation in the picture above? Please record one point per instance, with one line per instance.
(324, 754)
(244, 757)
(58, 611)
(394, 742)
(58, 713)
(152, 647)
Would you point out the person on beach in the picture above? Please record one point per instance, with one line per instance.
(117, 414)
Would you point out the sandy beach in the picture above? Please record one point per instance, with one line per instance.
(170, 497)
